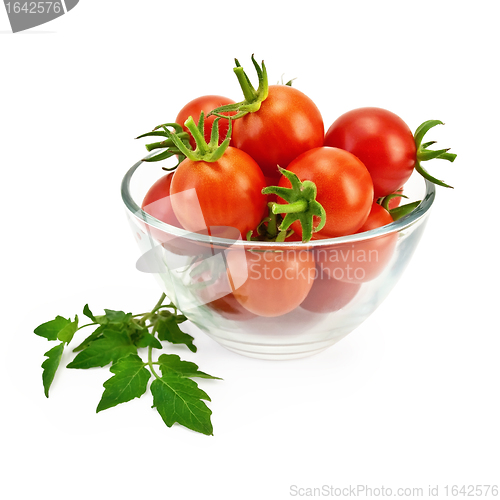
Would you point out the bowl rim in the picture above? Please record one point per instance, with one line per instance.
(396, 226)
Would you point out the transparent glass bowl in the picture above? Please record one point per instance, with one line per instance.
(273, 300)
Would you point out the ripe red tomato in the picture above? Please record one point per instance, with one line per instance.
(226, 192)
(277, 282)
(157, 201)
(381, 140)
(377, 217)
(287, 124)
(206, 104)
(328, 294)
(360, 261)
(230, 308)
(345, 189)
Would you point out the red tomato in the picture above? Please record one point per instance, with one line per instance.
(157, 201)
(287, 124)
(230, 308)
(381, 140)
(206, 104)
(277, 282)
(328, 294)
(226, 192)
(377, 217)
(345, 189)
(360, 261)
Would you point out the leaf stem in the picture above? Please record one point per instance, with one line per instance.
(151, 362)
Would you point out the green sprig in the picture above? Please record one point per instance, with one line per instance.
(116, 341)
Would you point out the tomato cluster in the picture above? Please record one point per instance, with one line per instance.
(265, 167)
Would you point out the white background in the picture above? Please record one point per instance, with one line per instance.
(410, 399)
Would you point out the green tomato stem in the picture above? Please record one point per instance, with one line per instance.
(290, 208)
(253, 98)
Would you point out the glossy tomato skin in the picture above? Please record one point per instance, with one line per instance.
(345, 189)
(381, 140)
(206, 104)
(378, 217)
(228, 192)
(360, 261)
(277, 281)
(157, 201)
(287, 124)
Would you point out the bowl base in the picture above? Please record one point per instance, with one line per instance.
(276, 352)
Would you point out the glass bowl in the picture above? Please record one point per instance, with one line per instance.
(273, 300)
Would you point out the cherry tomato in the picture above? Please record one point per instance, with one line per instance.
(230, 308)
(206, 104)
(226, 192)
(381, 140)
(277, 281)
(157, 201)
(345, 189)
(287, 124)
(360, 261)
(328, 294)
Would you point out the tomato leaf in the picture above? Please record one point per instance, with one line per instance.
(87, 312)
(147, 339)
(129, 381)
(116, 317)
(67, 333)
(171, 363)
(168, 329)
(109, 348)
(179, 399)
(50, 330)
(93, 336)
(50, 366)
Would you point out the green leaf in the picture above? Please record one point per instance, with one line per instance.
(168, 329)
(147, 339)
(66, 334)
(50, 366)
(171, 363)
(51, 329)
(93, 336)
(109, 348)
(179, 399)
(87, 312)
(117, 317)
(130, 381)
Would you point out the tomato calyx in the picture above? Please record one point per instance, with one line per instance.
(253, 97)
(269, 228)
(301, 206)
(171, 149)
(209, 152)
(425, 154)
